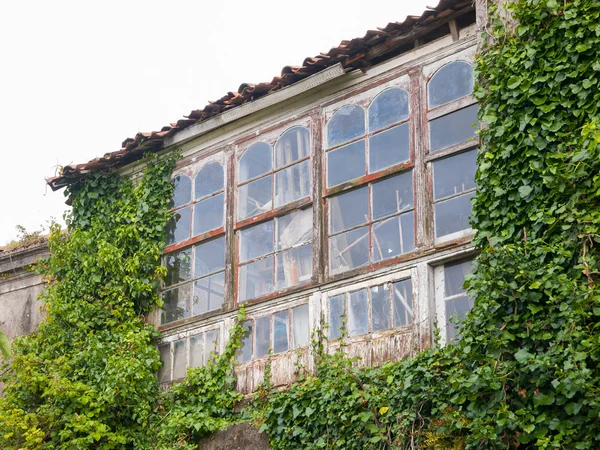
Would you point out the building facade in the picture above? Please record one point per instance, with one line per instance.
(336, 202)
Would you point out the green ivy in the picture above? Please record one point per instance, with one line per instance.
(524, 375)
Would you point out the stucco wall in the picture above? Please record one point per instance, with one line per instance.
(20, 310)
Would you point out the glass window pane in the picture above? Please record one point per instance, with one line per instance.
(294, 267)
(256, 279)
(212, 344)
(292, 184)
(293, 145)
(197, 350)
(164, 373)
(358, 313)
(262, 339)
(245, 353)
(453, 128)
(454, 175)
(402, 303)
(453, 215)
(454, 277)
(209, 257)
(389, 107)
(179, 267)
(349, 250)
(255, 198)
(451, 82)
(179, 359)
(209, 180)
(176, 304)
(456, 310)
(336, 315)
(256, 160)
(256, 240)
(388, 148)
(280, 332)
(392, 195)
(393, 237)
(178, 228)
(300, 327)
(348, 210)
(209, 214)
(294, 229)
(208, 294)
(182, 191)
(380, 308)
(346, 163)
(346, 124)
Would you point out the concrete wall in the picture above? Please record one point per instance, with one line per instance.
(20, 311)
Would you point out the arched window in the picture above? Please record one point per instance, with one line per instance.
(451, 82)
(209, 208)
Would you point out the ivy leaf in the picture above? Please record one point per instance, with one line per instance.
(524, 191)
(523, 355)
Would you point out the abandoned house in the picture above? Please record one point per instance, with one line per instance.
(339, 190)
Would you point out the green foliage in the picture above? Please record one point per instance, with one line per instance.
(4, 346)
(525, 373)
(87, 377)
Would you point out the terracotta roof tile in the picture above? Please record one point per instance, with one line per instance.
(352, 54)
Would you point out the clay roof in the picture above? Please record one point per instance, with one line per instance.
(359, 53)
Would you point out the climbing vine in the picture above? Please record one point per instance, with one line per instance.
(524, 375)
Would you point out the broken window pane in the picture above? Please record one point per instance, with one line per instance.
(458, 126)
(209, 257)
(256, 279)
(209, 214)
(393, 237)
(179, 359)
(292, 184)
(388, 148)
(358, 313)
(164, 373)
(453, 215)
(456, 311)
(280, 332)
(402, 303)
(176, 304)
(454, 277)
(294, 229)
(245, 353)
(451, 82)
(348, 210)
(294, 267)
(208, 294)
(336, 315)
(209, 180)
(349, 250)
(262, 340)
(256, 241)
(346, 163)
(179, 267)
(454, 175)
(293, 145)
(389, 107)
(182, 191)
(300, 326)
(380, 308)
(197, 350)
(212, 344)
(178, 228)
(346, 124)
(392, 195)
(255, 198)
(256, 160)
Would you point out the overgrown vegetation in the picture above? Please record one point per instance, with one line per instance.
(524, 375)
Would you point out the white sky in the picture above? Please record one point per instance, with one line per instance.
(77, 78)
